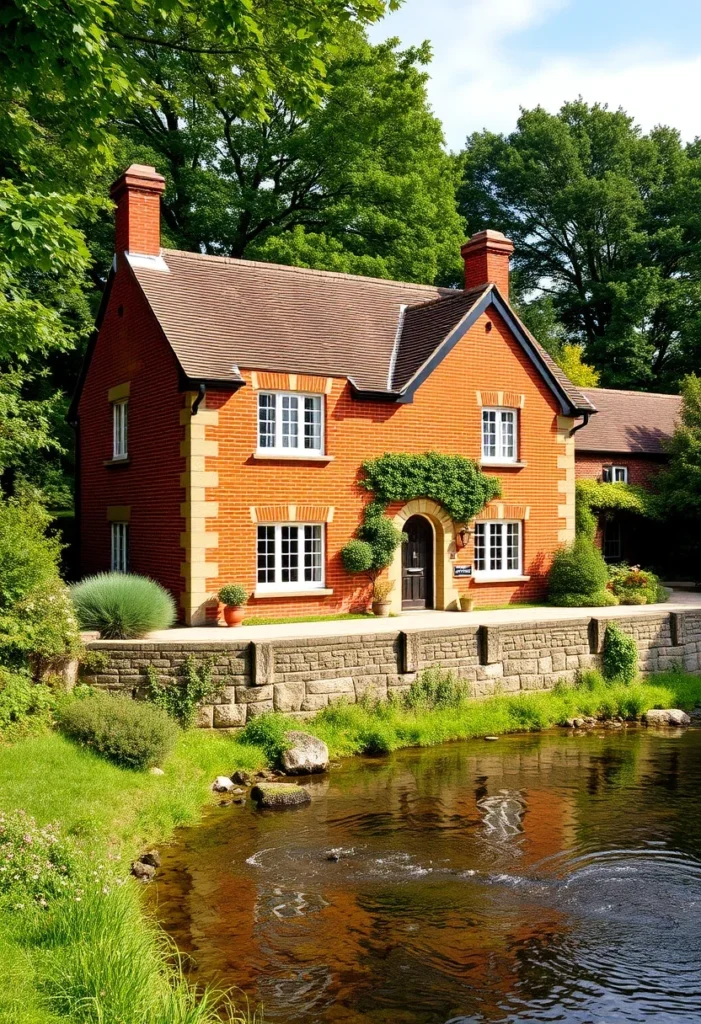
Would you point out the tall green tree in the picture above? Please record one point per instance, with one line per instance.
(68, 72)
(605, 223)
(360, 183)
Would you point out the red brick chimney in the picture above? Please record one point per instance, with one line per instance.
(137, 194)
(486, 257)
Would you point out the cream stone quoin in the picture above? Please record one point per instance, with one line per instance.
(446, 594)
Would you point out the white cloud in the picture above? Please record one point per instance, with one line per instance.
(480, 77)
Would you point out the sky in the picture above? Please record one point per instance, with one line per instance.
(492, 57)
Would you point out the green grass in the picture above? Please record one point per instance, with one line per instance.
(263, 620)
(512, 604)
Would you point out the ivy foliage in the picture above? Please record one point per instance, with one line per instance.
(620, 655)
(594, 499)
(456, 483)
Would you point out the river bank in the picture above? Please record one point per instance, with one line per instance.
(77, 961)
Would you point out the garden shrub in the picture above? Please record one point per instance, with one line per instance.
(233, 595)
(633, 585)
(181, 700)
(122, 606)
(24, 706)
(37, 864)
(620, 655)
(357, 556)
(579, 576)
(268, 732)
(134, 734)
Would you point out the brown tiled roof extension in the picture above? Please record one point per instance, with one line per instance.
(629, 422)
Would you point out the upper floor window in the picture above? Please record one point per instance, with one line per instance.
(119, 561)
(498, 548)
(615, 474)
(290, 423)
(499, 440)
(290, 557)
(119, 429)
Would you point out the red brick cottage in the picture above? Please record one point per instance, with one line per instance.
(625, 444)
(225, 407)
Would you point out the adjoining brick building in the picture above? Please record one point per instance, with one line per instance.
(625, 443)
(225, 407)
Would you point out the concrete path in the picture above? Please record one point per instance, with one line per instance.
(680, 601)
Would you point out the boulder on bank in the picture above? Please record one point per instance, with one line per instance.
(305, 755)
(667, 716)
(222, 784)
(279, 794)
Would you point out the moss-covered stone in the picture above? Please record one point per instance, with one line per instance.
(279, 795)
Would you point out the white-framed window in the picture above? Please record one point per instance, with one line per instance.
(289, 422)
(615, 474)
(290, 556)
(499, 435)
(119, 429)
(499, 548)
(119, 561)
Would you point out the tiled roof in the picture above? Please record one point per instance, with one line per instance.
(220, 314)
(628, 422)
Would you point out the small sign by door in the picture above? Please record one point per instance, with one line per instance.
(462, 570)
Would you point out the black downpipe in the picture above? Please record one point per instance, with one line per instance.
(585, 420)
(201, 392)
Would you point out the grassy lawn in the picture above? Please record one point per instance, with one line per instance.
(99, 959)
(263, 620)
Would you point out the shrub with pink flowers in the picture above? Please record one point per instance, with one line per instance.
(37, 864)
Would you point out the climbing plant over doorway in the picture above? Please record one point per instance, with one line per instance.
(456, 483)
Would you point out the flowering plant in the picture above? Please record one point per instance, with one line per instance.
(37, 864)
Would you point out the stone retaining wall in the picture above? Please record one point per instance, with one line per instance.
(304, 675)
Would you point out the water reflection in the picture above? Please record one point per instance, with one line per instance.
(548, 878)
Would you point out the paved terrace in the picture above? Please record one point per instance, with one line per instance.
(680, 601)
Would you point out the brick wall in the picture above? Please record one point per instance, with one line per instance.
(303, 676)
(641, 468)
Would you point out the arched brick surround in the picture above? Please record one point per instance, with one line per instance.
(445, 591)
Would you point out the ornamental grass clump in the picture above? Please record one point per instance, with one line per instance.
(122, 606)
(579, 577)
(133, 734)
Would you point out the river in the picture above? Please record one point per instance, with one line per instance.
(549, 877)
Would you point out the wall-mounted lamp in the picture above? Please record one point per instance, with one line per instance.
(464, 534)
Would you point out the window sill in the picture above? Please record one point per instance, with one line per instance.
(117, 462)
(496, 464)
(516, 578)
(314, 592)
(293, 457)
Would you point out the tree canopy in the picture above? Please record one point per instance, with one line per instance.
(605, 223)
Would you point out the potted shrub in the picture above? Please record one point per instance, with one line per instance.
(234, 597)
(381, 604)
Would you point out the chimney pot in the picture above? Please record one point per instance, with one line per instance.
(137, 193)
(486, 257)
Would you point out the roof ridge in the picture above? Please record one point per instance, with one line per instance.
(336, 274)
(626, 391)
(455, 293)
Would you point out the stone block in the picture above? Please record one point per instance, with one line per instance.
(489, 644)
(205, 716)
(559, 661)
(260, 708)
(315, 702)
(288, 696)
(370, 688)
(229, 716)
(545, 665)
(262, 663)
(253, 694)
(409, 652)
(521, 666)
(342, 698)
(343, 685)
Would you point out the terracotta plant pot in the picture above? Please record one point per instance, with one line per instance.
(381, 608)
(233, 614)
(467, 604)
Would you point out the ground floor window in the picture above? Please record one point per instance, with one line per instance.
(498, 548)
(613, 541)
(120, 547)
(290, 556)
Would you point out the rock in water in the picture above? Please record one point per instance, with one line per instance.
(144, 872)
(222, 784)
(280, 794)
(151, 857)
(305, 755)
(667, 716)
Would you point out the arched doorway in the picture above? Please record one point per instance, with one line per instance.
(417, 563)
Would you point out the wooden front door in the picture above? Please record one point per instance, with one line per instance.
(417, 564)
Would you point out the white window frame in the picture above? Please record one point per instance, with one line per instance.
(506, 446)
(300, 584)
(119, 539)
(615, 474)
(491, 530)
(285, 403)
(120, 429)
